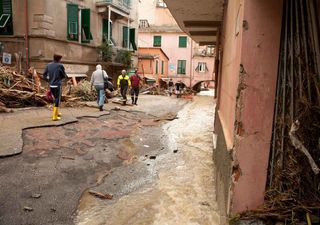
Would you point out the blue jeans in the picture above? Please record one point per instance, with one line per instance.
(101, 95)
(56, 92)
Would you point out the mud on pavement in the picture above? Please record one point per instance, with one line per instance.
(50, 181)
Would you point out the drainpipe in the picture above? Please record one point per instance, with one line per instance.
(27, 35)
(128, 35)
(109, 19)
(191, 63)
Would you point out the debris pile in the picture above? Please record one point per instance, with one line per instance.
(154, 90)
(83, 91)
(17, 90)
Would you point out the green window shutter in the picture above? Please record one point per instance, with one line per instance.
(182, 42)
(73, 21)
(105, 30)
(162, 67)
(133, 38)
(157, 67)
(6, 24)
(86, 35)
(156, 41)
(182, 66)
(125, 37)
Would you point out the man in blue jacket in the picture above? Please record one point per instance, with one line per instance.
(54, 74)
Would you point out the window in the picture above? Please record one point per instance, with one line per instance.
(182, 66)
(73, 24)
(105, 29)
(73, 21)
(162, 67)
(86, 35)
(202, 67)
(157, 67)
(182, 42)
(125, 37)
(6, 24)
(133, 39)
(156, 41)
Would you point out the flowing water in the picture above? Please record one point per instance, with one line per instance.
(181, 190)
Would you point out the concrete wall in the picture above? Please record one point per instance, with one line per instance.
(246, 99)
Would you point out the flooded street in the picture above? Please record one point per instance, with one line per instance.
(183, 192)
(153, 162)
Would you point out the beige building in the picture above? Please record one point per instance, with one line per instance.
(73, 28)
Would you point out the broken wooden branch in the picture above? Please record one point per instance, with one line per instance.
(298, 145)
(101, 195)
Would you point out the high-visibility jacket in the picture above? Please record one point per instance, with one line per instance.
(123, 80)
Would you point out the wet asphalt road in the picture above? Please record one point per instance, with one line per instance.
(48, 183)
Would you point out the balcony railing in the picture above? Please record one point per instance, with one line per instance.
(118, 3)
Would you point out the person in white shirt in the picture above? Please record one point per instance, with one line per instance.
(97, 80)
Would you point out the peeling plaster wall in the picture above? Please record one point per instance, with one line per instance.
(251, 41)
(230, 68)
(255, 106)
(226, 103)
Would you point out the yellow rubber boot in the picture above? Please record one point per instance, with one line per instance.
(55, 114)
(58, 112)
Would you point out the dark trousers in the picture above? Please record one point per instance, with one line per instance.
(56, 92)
(134, 94)
(123, 91)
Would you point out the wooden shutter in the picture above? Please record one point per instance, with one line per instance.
(73, 21)
(162, 67)
(133, 38)
(157, 41)
(157, 67)
(86, 35)
(125, 37)
(182, 42)
(184, 62)
(6, 24)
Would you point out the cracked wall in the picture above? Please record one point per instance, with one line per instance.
(250, 40)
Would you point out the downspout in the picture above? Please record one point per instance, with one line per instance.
(27, 35)
(109, 25)
(191, 63)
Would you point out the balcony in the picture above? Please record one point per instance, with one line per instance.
(122, 5)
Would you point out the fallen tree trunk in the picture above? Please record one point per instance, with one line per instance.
(16, 98)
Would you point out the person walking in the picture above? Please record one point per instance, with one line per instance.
(54, 73)
(135, 87)
(178, 89)
(123, 83)
(97, 80)
(170, 86)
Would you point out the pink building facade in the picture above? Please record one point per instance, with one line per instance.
(188, 62)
